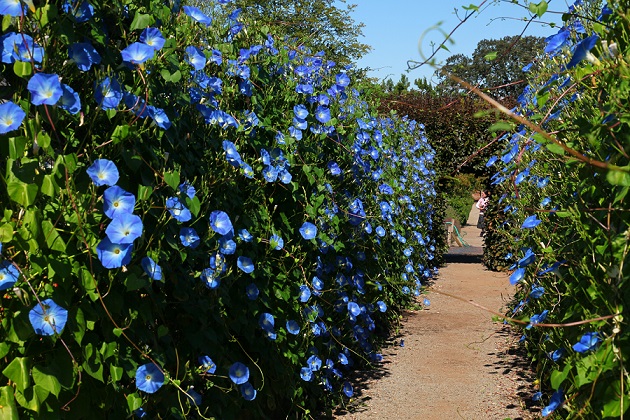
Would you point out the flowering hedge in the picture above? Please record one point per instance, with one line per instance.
(197, 217)
(562, 215)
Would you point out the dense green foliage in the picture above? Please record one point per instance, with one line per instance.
(286, 224)
(560, 215)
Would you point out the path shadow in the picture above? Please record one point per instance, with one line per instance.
(465, 255)
(512, 361)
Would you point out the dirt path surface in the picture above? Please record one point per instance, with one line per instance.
(455, 362)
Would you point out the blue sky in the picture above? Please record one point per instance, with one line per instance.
(394, 27)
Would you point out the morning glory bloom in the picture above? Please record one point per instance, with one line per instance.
(270, 173)
(84, 55)
(556, 401)
(582, 51)
(537, 318)
(124, 228)
(245, 236)
(314, 363)
(117, 201)
(300, 111)
(322, 114)
(334, 168)
(81, 12)
(70, 100)
(589, 341)
(557, 41)
(347, 389)
(266, 322)
(354, 308)
(537, 292)
(211, 278)
(248, 391)
(285, 176)
(150, 267)
(306, 374)
(13, 7)
(245, 264)
(9, 274)
(11, 116)
(186, 188)
(153, 38)
(557, 354)
(197, 15)
(195, 57)
(137, 53)
(108, 94)
(381, 306)
(380, 231)
(305, 293)
(239, 373)
(276, 242)
(178, 210)
(220, 222)
(103, 172)
(231, 154)
(531, 222)
(113, 255)
(529, 258)
(517, 275)
(293, 327)
(308, 231)
(189, 237)
(227, 246)
(342, 79)
(45, 89)
(149, 378)
(207, 364)
(252, 291)
(159, 116)
(48, 318)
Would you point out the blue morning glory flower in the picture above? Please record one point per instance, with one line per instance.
(113, 255)
(14, 7)
(159, 116)
(186, 188)
(231, 154)
(248, 391)
(103, 172)
(117, 201)
(153, 38)
(334, 168)
(589, 341)
(381, 306)
(322, 114)
(537, 292)
(276, 242)
(266, 321)
(194, 396)
(300, 111)
(207, 364)
(11, 116)
(252, 291)
(557, 41)
(347, 389)
(48, 318)
(70, 100)
(239, 373)
(108, 94)
(308, 230)
(245, 236)
(84, 55)
(517, 275)
(354, 308)
(342, 79)
(293, 327)
(149, 378)
(45, 89)
(531, 222)
(27, 50)
(220, 222)
(270, 173)
(124, 228)
(226, 245)
(189, 237)
(197, 15)
(81, 12)
(137, 53)
(314, 363)
(306, 374)
(285, 176)
(150, 267)
(195, 57)
(210, 278)
(9, 274)
(178, 210)
(305, 293)
(527, 259)
(537, 318)
(245, 264)
(380, 231)
(582, 50)
(556, 401)
(557, 354)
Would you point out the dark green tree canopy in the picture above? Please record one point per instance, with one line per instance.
(321, 25)
(496, 65)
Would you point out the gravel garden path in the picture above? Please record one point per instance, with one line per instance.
(450, 360)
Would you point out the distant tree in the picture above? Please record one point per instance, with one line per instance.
(424, 86)
(321, 25)
(402, 85)
(494, 66)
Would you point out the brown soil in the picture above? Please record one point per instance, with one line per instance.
(456, 362)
